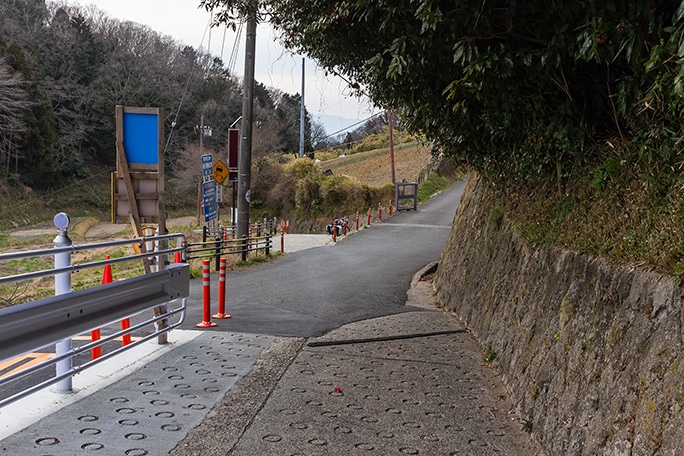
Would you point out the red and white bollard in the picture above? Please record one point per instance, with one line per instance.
(345, 225)
(282, 238)
(357, 220)
(390, 208)
(380, 211)
(206, 320)
(249, 238)
(222, 291)
(334, 230)
(369, 209)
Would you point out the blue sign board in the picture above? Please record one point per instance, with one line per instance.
(141, 137)
(209, 193)
(207, 165)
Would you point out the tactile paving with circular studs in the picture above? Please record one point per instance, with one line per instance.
(150, 411)
(429, 396)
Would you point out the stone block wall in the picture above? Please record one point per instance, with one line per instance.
(593, 355)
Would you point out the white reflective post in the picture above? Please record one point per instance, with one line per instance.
(63, 286)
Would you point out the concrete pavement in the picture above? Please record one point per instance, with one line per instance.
(410, 383)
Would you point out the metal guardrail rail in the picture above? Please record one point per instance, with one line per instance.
(29, 327)
(25, 328)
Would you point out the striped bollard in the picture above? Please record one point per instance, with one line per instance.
(206, 320)
(345, 225)
(357, 220)
(222, 291)
(249, 238)
(369, 216)
(380, 211)
(390, 208)
(334, 230)
(282, 238)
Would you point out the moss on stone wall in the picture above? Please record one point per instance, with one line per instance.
(593, 354)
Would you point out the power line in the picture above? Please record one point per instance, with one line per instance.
(187, 85)
(353, 125)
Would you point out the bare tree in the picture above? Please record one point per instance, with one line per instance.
(14, 102)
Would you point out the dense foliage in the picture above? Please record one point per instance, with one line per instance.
(64, 68)
(301, 190)
(513, 89)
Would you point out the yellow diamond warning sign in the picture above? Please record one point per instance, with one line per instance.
(221, 171)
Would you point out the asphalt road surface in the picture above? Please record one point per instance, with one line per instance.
(313, 291)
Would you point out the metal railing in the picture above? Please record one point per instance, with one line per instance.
(219, 247)
(222, 240)
(25, 328)
(259, 229)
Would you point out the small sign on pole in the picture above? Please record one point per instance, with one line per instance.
(209, 193)
(219, 193)
(233, 148)
(207, 168)
(220, 172)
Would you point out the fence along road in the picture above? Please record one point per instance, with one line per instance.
(313, 291)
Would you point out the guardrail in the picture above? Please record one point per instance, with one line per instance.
(259, 229)
(225, 241)
(25, 328)
(220, 247)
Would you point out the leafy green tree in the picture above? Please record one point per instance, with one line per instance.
(517, 89)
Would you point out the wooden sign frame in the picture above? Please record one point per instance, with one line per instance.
(139, 180)
(138, 192)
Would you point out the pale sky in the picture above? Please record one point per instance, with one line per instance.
(328, 97)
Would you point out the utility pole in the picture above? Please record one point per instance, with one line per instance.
(245, 171)
(389, 124)
(301, 118)
(202, 134)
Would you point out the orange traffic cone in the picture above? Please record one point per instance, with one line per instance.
(178, 258)
(95, 333)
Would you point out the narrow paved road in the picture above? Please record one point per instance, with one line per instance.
(310, 292)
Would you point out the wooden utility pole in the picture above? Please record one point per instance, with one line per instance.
(245, 171)
(391, 140)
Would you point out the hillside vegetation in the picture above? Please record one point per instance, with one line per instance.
(64, 68)
(574, 111)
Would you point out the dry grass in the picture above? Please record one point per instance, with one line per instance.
(626, 220)
(373, 167)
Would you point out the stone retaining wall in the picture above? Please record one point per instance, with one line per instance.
(592, 354)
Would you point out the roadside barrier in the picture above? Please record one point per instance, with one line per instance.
(282, 238)
(390, 208)
(357, 220)
(222, 292)
(221, 244)
(380, 211)
(230, 231)
(206, 293)
(30, 327)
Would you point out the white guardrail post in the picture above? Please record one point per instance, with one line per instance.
(63, 286)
